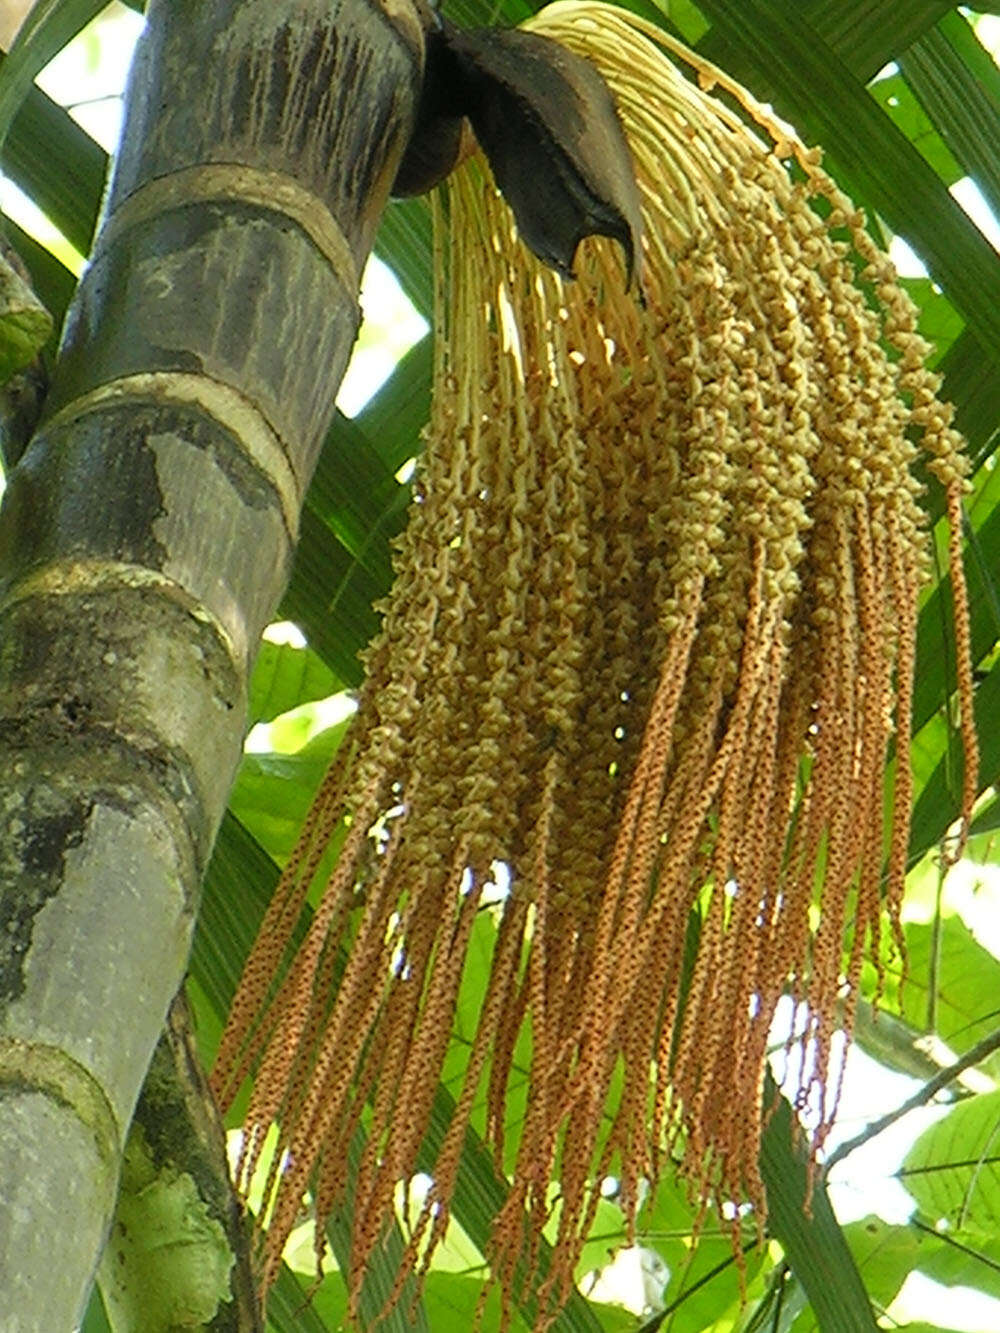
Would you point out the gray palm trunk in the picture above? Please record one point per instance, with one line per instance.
(145, 539)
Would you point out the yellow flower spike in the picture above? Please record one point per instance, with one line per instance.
(651, 640)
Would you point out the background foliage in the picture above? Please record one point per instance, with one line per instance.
(905, 100)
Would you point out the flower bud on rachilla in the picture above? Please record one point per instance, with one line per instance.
(648, 657)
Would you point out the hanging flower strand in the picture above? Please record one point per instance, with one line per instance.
(650, 646)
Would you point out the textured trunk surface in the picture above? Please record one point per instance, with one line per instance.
(145, 539)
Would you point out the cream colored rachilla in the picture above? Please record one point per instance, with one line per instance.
(650, 646)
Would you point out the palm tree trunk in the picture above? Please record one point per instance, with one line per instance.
(145, 539)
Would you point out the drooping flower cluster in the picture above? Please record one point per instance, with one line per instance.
(651, 648)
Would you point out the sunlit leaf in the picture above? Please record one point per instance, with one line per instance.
(284, 677)
(885, 1256)
(967, 978)
(803, 1221)
(272, 792)
(953, 1169)
(49, 26)
(959, 86)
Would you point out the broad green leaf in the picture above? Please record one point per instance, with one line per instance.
(705, 1283)
(813, 1242)
(979, 506)
(57, 164)
(284, 677)
(354, 508)
(273, 792)
(487, 13)
(935, 676)
(871, 32)
(451, 1302)
(50, 25)
(404, 242)
(708, 1287)
(937, 805)
(472, 993)
(238, 884)
(970, 379)
(394, 417)
(972, 1261)
(668, 1241)
(687, 18)
(95, 1320)
(959, 85)
(330, 595)
(900, 104)
(921, 1327)
(353, 492)
(939, 322)
(969, 1262)
(885, 1256)
(289, 1310)
(953, 1169)
(328, 1302)
(985, 822)
(968, 982)
(782, 1303)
